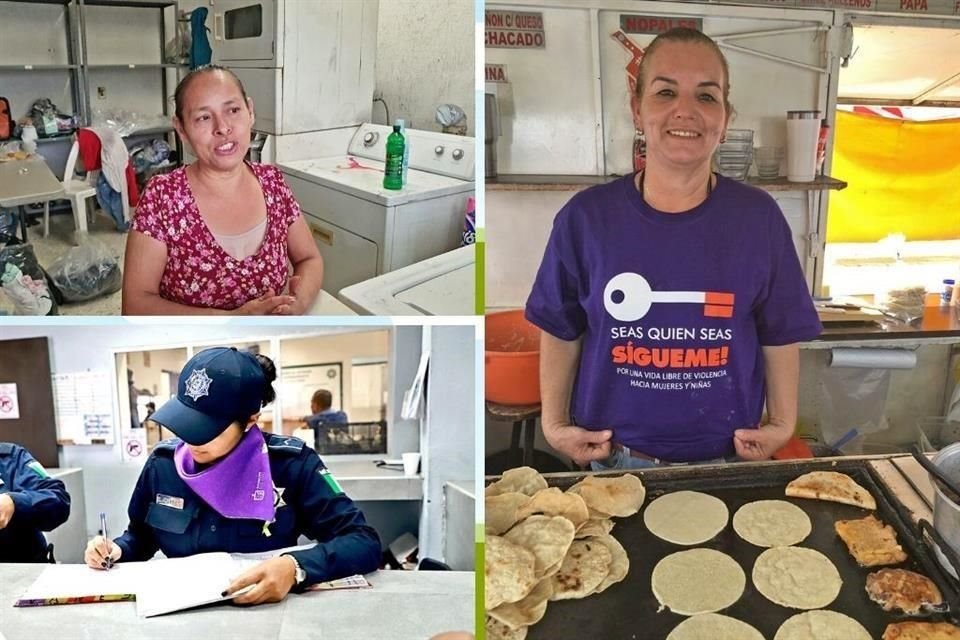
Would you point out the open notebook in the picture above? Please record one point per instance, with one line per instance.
(159, 586)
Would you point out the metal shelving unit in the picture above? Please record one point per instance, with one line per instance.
(37, 67)
(78, 64)
(86, 65)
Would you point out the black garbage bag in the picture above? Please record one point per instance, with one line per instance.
(25, 283)
(86, 272)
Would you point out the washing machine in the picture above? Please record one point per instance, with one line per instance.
(440, 286)
(364, 230)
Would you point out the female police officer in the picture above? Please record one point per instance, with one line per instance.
(223, 485)
(30, 502)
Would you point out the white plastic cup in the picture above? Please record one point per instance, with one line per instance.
(28, 133)
(803, 131)
(411, 463)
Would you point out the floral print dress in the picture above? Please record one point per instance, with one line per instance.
(199, 272)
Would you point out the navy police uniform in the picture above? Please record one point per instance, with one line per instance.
(41, 503)
(165, 514)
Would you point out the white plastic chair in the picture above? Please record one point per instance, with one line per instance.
(77, 191)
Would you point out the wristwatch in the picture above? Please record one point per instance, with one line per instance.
(299, 574)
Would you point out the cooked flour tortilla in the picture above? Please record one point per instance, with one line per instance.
(713, 626)
(523, 480)
(584, 567)
(509, 572)
(592, 528)
(796, 577)
(501, 511)
(553, 502)
(697, 581)
(686, 517)
(771, 523)
(526, 612)
(548, 538)
(620, 496)
(821, 625)
(619, 561)
(496, 630)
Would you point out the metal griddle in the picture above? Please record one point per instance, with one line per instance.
(628, 610)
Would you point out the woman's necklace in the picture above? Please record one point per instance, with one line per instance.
(643, 196)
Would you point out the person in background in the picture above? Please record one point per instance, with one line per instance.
(216, 236)
(223, 485)
(671, 301)
(133, 394)
(30, 502)
(320, 406)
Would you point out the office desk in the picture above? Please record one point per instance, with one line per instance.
(26, 181)
(402, 605)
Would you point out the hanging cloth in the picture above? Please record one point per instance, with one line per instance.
(903, 178)
(200, 51)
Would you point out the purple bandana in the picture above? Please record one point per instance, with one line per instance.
(238, 485)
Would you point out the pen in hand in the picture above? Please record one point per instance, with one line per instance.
(106, 539)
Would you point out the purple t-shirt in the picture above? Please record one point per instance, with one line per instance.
(673, 310)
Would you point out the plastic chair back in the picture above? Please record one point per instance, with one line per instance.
(71, 163)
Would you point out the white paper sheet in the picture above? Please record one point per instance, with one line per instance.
(78, 580)
(181, 583)
(161, 586)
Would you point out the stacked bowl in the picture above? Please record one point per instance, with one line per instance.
(735, 155)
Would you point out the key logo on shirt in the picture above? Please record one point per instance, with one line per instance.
(198, 384)
(169, 501)
(628, 298)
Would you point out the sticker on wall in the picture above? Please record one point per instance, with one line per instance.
(135, 444)
(9, 405)
(496, 73)
(514, 30)
(633, 23)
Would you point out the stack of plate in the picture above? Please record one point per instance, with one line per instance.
(734, 156)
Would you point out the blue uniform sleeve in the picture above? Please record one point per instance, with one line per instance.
(138, 542)
(346, 544)
(40, 502)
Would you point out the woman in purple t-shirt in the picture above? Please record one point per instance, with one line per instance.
(215, 237)
(672, 300)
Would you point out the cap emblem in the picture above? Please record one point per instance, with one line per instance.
(198, 384)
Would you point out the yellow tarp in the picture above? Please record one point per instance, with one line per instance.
(903, 177)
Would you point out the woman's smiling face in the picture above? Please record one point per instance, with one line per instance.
(682, 111)
(216, 120)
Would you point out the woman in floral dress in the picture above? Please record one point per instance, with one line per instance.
(221, 235)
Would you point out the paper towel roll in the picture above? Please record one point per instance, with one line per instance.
(873, 358)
